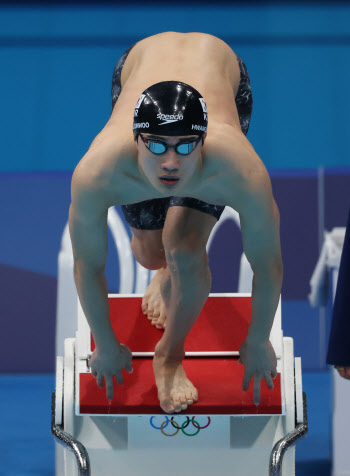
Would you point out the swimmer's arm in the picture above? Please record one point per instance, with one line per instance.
(88, 230)
(260, 223)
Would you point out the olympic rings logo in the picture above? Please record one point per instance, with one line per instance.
(178, 427)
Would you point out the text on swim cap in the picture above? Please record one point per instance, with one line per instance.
(141, 125)
(199, 128)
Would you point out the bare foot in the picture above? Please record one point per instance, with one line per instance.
(175, 391)
(152, 303)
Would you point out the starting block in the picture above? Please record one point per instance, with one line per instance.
(223, 433)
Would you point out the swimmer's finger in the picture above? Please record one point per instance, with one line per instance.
(109, 387)
(99, 380)
(119, 378)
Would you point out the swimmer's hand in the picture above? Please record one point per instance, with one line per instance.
(259, 360)
(110, 361)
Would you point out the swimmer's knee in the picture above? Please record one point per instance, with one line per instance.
(148, 256)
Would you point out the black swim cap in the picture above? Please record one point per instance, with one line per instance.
(170, 108)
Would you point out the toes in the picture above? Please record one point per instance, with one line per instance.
(167, 405)
(180, 402)
(155, 312)
(183, 399)
(161, 321)
(156, 317)
(150, 314)
(151, 310)
(144, 304)
(177, 404)
(177, 401)
(189, 397)
(184, 403)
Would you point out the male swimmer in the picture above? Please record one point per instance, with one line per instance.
(173, 162)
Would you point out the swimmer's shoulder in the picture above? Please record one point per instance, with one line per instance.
(238, 167)
(107, 164)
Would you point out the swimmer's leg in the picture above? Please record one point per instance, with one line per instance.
(185, 288)
(148, 249)
(146, 220)
(185, 235)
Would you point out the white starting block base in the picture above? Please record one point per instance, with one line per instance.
(246, 441)
(240, 444)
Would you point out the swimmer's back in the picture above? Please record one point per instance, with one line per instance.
(178, 51)
(204, 61)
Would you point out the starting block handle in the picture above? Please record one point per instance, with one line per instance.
(277, 453)
(70, 442)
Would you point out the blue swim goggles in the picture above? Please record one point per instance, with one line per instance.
(158, 147)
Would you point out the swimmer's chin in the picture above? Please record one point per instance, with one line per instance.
(181, 184)
(169, 190)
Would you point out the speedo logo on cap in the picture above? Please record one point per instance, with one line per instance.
(168, 118)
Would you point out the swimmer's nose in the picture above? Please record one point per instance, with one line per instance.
(170, 170)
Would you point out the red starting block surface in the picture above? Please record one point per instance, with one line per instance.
(221, 326)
